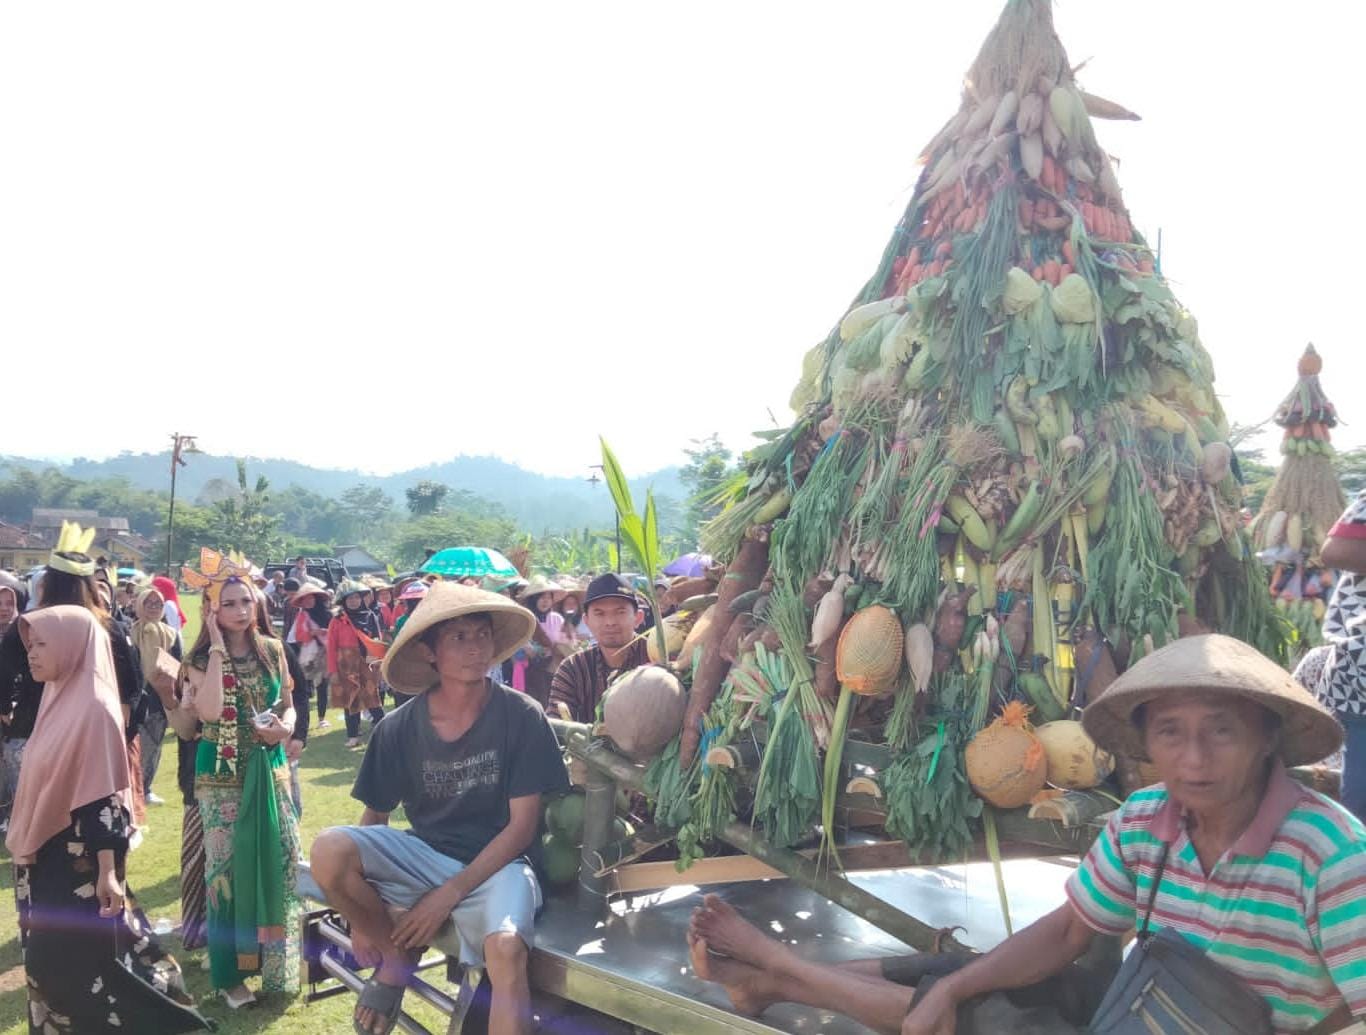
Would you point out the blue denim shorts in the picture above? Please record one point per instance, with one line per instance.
(402, 868)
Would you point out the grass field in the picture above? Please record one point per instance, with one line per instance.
(327, 771)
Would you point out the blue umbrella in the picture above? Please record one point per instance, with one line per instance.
(690, 565)
(460, 562)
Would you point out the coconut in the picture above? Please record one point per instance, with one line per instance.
(1006, 762)
(868, 657)
(564, 817)
(559, 859)
(643, 710)
(1074, 759)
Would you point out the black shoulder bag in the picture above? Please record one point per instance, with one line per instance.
(1167, 984)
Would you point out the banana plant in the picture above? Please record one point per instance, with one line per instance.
(639, 534)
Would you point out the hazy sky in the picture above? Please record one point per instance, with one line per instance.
(378, 235)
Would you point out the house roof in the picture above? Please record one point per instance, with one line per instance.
(134, 541)
(12, 537)
(51, 518)
(48, 516)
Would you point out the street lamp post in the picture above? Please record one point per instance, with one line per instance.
(179, 444)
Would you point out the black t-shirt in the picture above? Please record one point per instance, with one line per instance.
(456, 794)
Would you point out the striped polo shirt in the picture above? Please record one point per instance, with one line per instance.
(1284, 908)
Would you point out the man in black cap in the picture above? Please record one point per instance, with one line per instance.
(611, 609)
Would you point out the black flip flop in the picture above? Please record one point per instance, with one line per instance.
(385, 1000)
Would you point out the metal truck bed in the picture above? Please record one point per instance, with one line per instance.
(633, 965)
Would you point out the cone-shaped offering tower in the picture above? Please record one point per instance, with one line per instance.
(1303, 503)
(1011, 443)
(1306, 497)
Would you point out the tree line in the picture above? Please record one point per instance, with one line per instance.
(268, 523)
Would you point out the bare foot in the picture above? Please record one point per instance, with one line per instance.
(730, 934)
(748, 987)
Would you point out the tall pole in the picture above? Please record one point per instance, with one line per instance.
(179, 443)
(170, 519)
(593, 481)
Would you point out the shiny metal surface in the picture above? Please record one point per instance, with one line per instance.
(630, 961)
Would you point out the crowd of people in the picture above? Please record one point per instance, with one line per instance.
(455, 679)
(95, 667)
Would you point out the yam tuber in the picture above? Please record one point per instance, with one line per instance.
(816, 587)
(740, 627)
(686, 588)
(1093, 664)
(827, 680)
(754, 636)
(743, 575)
(949, 621)
(1014, 639)
(829, 612)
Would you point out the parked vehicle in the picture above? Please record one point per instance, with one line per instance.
(327, 570)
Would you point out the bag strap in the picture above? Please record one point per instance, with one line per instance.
(1334, 1022)
(1152, 894)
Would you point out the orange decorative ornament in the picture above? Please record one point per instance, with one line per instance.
(1311, 363)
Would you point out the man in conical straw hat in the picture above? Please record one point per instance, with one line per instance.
(1262, 874)
(469, 760)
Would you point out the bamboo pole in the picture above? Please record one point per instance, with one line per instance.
(1074, 808)
(599, 810)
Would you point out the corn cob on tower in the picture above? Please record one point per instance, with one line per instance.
(1303, 503)
(1010, 440)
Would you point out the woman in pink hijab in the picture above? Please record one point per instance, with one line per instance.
(91, 960)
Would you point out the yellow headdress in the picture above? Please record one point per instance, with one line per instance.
(71, 554)
(215, 572)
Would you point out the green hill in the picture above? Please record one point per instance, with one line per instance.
(538, 503)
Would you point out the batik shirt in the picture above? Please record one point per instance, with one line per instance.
(1342, 686)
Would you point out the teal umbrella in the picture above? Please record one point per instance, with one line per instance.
(459, 562)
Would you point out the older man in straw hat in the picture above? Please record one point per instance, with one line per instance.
(1227, 857)
(469, 760)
